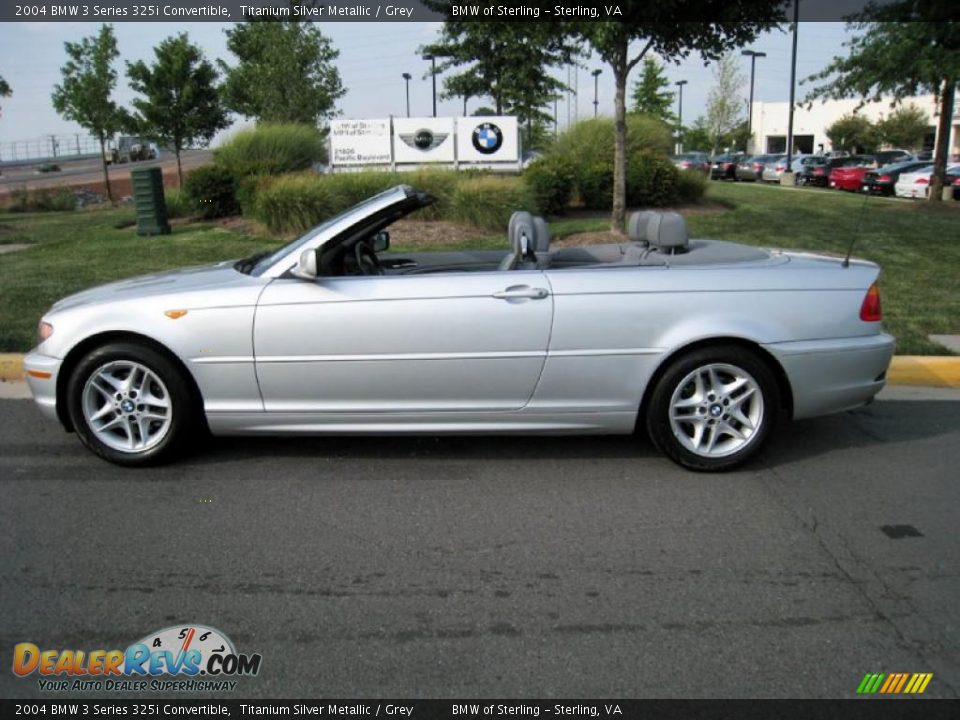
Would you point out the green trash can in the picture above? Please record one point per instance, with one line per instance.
(149, 201)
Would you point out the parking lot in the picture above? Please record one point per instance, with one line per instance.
(523, 567)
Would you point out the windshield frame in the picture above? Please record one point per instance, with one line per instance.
(279, 261)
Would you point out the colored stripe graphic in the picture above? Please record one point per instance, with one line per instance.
(894, 683)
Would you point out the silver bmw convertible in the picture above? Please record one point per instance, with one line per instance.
(704, 343)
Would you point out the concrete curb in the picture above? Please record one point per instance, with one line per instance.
(11, 367)
(933, 370)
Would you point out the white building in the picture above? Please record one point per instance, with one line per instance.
(809, 125)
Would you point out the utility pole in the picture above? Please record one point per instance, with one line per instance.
(793, 83)
(596, 78)
(433, 76)
(407, 77)
(680, 84)
(753, 55)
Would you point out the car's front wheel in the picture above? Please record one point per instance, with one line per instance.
(130, 404)
(713, 408)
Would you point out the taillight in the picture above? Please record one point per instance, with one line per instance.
(884, 178)
(870, 309)
(727, 166)
(818, 171)
(685, 165)
(922, 181)
(957, 182)
(780, 168)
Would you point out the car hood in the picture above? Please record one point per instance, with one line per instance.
(173, 282)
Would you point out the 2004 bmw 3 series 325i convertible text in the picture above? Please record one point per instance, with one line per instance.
(704, 343)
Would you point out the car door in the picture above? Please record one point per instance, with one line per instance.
(440, 342)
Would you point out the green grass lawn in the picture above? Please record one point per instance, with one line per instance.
(917, 246)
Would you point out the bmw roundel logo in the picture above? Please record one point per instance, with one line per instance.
(487, 138)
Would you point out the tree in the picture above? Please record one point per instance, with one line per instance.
(697, 136)
(662, 28)
(285, 72)
(853, 133)
(905, 127)
(901, 49)
(650, 95)
(88, 82)
(724, 107)
(181, 104)
(5, 90)
(508, 62)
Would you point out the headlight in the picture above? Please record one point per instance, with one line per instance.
(44, 330)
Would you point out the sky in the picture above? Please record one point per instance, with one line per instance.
(372, 58)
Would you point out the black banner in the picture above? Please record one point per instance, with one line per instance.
(860, 709)
(401, 11)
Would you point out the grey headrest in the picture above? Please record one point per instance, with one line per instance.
(637, 225)
(541, 240)
(522, 232)
(668, 232)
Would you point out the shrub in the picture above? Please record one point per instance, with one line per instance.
(351, 188)
(293, 203)
(595, 186)
(691, 186)
(488, 201)
(591, 141)
(271, 149)
(44, 200)
(651, 181)
(441, 184)
(551, 180)
(211, 192)
(177, 204)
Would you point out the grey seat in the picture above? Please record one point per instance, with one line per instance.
(667, 233)
(637, 225)
(522, 230)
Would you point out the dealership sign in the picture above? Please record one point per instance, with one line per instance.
(402, 143)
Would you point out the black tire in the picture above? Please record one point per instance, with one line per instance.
(183, 412)
(675, 380)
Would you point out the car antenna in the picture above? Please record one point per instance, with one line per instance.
(856, 232)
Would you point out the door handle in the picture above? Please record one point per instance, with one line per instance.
(521, 291)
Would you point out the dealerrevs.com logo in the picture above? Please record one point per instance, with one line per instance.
(178, 658)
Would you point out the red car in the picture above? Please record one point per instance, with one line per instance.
(850, 176)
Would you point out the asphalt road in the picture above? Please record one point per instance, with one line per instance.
(503, 567)
(89, 171)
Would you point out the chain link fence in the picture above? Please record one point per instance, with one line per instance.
(48, 148)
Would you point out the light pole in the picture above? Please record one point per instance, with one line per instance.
(793, 83)
(680, 84)
(753, 55)
(407, 77)
(433, 75)
(596, 78)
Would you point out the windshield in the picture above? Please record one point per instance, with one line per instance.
(258, 263)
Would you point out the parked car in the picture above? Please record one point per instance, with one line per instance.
(774, 170)
(750, 169)
(849, 175)
(889, 157)
(882, 180)
(724, 167)
(333, 334)
(698, 161)
(816, 171)
(916, 184)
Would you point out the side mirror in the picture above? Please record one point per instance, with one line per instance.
(306, 268)
(381, 241)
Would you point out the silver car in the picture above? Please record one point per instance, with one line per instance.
(704, 343)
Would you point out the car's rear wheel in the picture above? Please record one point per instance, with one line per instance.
(713, 409)
(130, 404)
